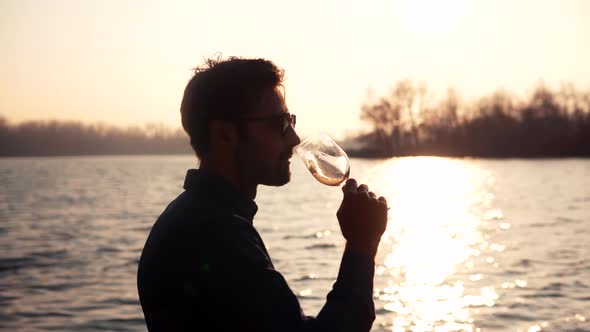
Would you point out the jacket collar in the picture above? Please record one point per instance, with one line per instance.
(218, 189)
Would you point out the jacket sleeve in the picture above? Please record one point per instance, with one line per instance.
(241, 285)
(349, 306)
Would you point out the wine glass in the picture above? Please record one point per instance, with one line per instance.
(326, 161)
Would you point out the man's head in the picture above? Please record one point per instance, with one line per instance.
(234, 113)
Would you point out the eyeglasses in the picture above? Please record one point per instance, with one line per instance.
(287, 120)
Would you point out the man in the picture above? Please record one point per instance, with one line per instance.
(204, 266)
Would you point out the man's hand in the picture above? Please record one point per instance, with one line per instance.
(362, 217)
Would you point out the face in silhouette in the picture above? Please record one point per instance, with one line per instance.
(266, 143)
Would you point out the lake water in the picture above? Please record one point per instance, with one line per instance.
(472, 244)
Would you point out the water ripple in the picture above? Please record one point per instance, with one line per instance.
(472, 244)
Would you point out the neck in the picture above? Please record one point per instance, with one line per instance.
(231, 174)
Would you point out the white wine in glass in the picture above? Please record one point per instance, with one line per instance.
(324, 159)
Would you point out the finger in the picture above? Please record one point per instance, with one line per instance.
(363, 187)
(372, 195)
(350, 186)
(382, 201)
(363, 194)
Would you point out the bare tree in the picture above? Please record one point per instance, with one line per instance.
(547, 124)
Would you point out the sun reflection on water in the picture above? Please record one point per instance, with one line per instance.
(427, 250)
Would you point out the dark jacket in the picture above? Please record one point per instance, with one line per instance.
(204, 267)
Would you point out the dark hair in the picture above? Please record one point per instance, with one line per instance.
(224, 89)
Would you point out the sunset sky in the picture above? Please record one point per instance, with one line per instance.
(126, 62)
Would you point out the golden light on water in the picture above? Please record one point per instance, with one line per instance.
(433, 234)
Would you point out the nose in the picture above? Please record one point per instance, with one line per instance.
(292, 137)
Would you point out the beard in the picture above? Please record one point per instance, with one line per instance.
(272, 173)
(257, 168)
(283, 175)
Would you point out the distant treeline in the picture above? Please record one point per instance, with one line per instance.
(53, 138)
(407, 122)
(546, 124)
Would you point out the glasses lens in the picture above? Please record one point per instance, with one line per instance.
(285, 124)
(288, 121)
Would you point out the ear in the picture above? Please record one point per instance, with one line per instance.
(223, 132)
